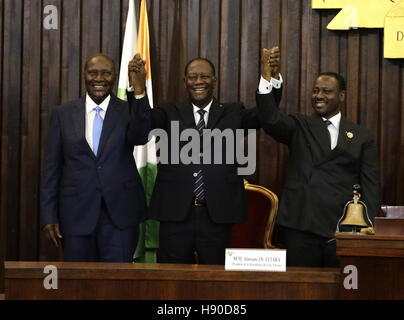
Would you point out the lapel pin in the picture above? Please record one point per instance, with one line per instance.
(349, 134)
(221, 105)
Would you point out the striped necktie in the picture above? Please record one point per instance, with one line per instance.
(199, 189)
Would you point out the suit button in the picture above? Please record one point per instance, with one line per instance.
(195, 174)
(99, 167)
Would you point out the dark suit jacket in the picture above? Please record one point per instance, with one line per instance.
(74, 179)
(320, 180)
(224, 189)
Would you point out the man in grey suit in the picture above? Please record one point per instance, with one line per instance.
(328, 155)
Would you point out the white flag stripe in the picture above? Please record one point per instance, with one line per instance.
(129, 47)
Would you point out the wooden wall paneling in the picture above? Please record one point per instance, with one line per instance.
(369, 60)
(160, 25)
(327, 56)
(111, 41)
(30, 140)
(3, 145)
(155, 50)
(267, 148)
(71, 76)
(228, 74)
(12, 113)
(192, 29)
(291, 12)
(400, 166)
(176, 50)
(250, 43)
(210, 34)
(90, 31)
(390, 123)
(50, 97)
(310, 55)
(250, 47)
(352, 101)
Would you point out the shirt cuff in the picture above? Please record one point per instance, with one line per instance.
(137, 96)
(265, 86)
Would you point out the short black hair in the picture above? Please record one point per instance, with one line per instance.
(340, 79)
(202, 59)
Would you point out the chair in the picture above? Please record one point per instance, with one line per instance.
(262, 209)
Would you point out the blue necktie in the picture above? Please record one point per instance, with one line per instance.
(199, 189)
(97, 129)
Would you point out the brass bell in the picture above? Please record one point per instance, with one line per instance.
(354, 213)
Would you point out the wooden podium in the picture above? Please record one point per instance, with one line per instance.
(126, 281)
(374, 263)
(379, 262)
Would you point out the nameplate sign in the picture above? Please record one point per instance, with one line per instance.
(255, 259)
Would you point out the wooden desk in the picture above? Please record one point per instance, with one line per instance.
(24, 280)
(379, 260)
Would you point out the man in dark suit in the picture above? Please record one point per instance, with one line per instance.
(91, 191)
(328, 155)
(197, 204)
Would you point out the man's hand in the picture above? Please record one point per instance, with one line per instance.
(137, 74)
(270, 63)
(53, 233)
(275, 62)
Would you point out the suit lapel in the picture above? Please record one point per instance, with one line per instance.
(343, 139)
(343, 142)
(186, 112)
(215, 113)
(79, 123)
(79, 117)
(319, 132)
(110, 120)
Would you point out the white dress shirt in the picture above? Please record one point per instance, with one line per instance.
(90, 114)
(197, 116)
(333, 128)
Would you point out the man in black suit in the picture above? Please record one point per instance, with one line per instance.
(328, 155)
(197, 204)
(91, 191)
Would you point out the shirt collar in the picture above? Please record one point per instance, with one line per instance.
(335, 120)
(90, 104)
(207, 108)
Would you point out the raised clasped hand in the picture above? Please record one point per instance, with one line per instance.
(137, 74)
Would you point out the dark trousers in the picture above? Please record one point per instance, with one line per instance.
(106, 244)
(179, 240)
(304, 249)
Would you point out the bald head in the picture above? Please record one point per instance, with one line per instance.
(99, 77)
(98, 56)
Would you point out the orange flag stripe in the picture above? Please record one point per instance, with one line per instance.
(143, 38)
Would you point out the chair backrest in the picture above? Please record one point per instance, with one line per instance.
(262, 209)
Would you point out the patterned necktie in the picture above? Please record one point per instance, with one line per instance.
(199, 190)
(327, 123)
(97, 129)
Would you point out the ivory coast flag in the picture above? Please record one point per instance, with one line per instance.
(145, 156)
